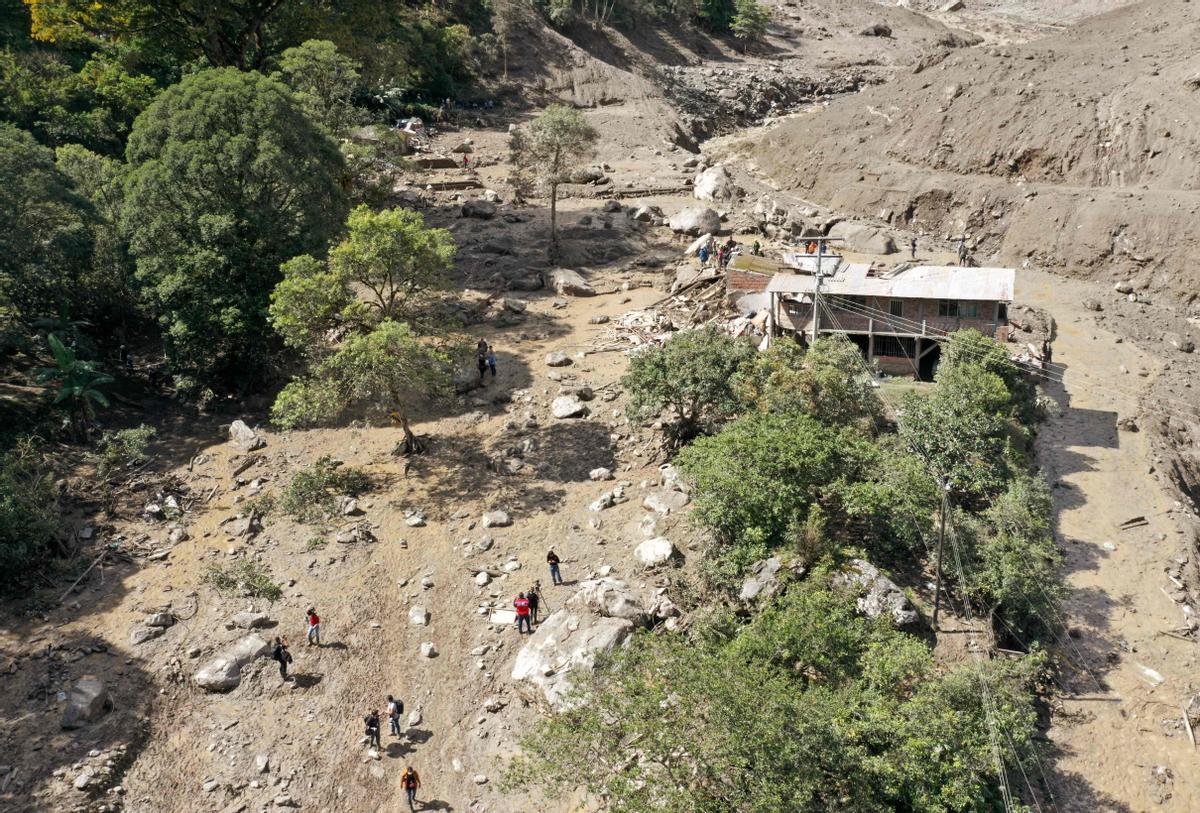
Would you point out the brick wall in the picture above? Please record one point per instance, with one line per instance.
(744, 281)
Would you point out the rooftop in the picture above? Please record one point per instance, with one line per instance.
(905, 282)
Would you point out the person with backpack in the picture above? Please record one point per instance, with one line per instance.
(280, 653)
(553, 560)
(372, 731)
(410, 782)
(534, 600)
(394, 709)
(522, 605)
(314, 626)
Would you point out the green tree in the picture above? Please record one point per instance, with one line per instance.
(78, 386)
(749, 22)
(807, 707)
(359, 351)
(693, 376)
(45, 231)
(547, 150)
(324, 82)
(827, 382)
(228, 178)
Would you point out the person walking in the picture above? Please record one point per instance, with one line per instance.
(280, 653)
(410, 781)
(395, 708)
(314, 626)
(912, 247)
(534, 600)
(481, 353)
(491, 361)
(372, 730)
(962, 250)
(522, 605)
(555, 573)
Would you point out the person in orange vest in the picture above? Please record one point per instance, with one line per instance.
(522, 605)
(410, 781)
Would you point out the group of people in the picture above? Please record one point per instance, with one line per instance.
(722, 253)
(527, 603)
(485, 359)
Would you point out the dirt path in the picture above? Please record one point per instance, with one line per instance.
(1113, 741)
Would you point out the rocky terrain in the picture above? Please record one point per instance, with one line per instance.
(145, 689)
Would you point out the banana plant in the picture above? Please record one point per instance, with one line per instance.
(78, 384)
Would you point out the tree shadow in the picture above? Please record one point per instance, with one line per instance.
(568, 452)
(35, 746)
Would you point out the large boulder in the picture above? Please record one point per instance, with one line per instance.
(654, 552)
(224, 672)
(696, 221)
(763, 581)
(877, 594)
(608, 597)
(87, 701)
(244, 438)
(665, 501)
(567, 282)
(863, 238)
(482, 209)
(565, 644)
(568, 406)
(715, 183)
(249, 620)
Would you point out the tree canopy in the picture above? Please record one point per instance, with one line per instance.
(227, 179)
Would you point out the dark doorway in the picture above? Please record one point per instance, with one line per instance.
(930, 354)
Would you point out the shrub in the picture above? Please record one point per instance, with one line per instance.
(30, 520)
(121, 449)
(245, 578)
(314, 490)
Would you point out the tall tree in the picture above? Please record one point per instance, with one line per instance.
(547, 150)
(362, 352)
(324, 82)
(228, 179)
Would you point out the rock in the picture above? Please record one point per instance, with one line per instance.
(763, 581)
(496, 519)
(418, 616)
(347, 506)
(86, 702)
(482, 209)
(878, 595)
(248, 620)
(83, 780)
(696, 221)
(1093, 305)
(863, 238)
(612, 206)
(160, 620)
(482, 578)
(663, 608)
(953, 5)
(600, 473)
(564, 644)
(414, 717)
(346, 536)
(224, 672)
(599, 319)
(1127, 424)
(177, 535)
(415, 520)
(878, 29)
(464, 148)
(568, 406)
(603, 502)
(513, 305)
(566, 282)
(140, 635)
(557, 359)
(493, 705)
(610, 598)
(262, 763)
(428, 650)
(284, 800)
(484, 545)
(479, 779)
(654, 552)
(715, 183)
(666, 501)
(244, 438)
(1181, 343)
(1123, 287)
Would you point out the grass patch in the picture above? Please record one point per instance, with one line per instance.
(315, 543)
(313, 492)
(246, 578)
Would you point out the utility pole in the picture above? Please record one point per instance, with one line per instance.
(816, 320)
(937, 591)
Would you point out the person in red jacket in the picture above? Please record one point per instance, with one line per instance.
(522, 605)
(314, 626)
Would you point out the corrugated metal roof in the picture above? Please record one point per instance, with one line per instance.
(920, 282)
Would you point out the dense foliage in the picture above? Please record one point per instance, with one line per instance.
(227, 180)
(30, 518)
(808, 707)
(314, 489)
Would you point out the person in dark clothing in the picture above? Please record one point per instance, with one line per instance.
(552, 560)
(410, 781)
(534, 600)
(281, 654)
(491, 361)
(912, 247)
(481, 356)
(372, 721)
